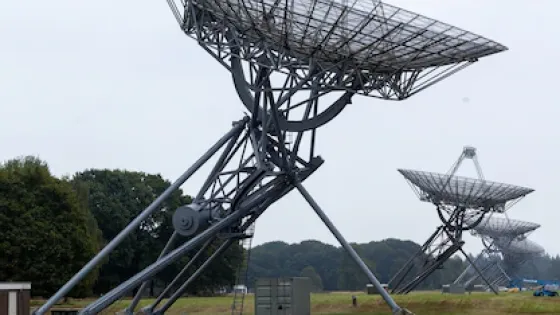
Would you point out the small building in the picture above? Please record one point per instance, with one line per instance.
(453, 288)
(370, 289)
(240, 289)
(479, 288)
(14, 298)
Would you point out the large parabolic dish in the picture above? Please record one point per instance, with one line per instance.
(518, 252)
(497, 227)
(471, 193)
(370, 34)
(519, 247)
(461, 205)
(367, 47)
(284, 57)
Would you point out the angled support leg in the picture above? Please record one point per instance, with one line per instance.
(431, 266)
(130, 309)
(399, 277)
(371, 277)
(149, 309)
(225, 245)
(213, 174)
(480, 273)
(467, 270)
(238, 127)
(504, 273)
(157, 266)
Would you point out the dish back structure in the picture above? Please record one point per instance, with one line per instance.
(497, 235)
(461, 204)
(284, 57)
(518, 252)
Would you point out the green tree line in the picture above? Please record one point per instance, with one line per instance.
(331, 269)
(50, 227)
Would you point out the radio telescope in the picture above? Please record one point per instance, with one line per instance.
(497, 235)
(517, 252)
(461, 204)
(285, 56)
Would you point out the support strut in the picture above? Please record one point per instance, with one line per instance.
(225, 245)
(440, 246)
(149, 309)
(332, 228)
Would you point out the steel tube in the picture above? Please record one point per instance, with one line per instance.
(193, 277)
(178, 276)
(155, 267)
(323, 216)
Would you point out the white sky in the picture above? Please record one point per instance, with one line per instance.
(115, 84)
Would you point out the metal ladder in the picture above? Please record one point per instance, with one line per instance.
(239, 297)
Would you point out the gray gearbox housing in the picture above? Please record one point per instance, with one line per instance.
(190, 219)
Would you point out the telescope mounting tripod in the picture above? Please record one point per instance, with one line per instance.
(256, 168)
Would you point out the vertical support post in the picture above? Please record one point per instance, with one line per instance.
(388, 299)
(138, 220)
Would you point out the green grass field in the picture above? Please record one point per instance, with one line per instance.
(340, 303)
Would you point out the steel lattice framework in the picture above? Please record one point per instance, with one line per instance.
(517, 252)
(284, 57)
(499, 236)
(461, 205)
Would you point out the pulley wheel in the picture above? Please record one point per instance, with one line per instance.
(186, 221)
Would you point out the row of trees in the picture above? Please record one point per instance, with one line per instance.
(50, 227)
(330, 268)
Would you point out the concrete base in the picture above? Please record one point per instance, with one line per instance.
(453, 289)
(370, 289)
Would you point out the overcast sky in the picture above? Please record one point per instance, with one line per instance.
(115, 84)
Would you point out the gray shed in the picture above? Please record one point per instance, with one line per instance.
(14, 298)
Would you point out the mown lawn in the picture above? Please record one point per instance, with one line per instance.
(421, 303)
